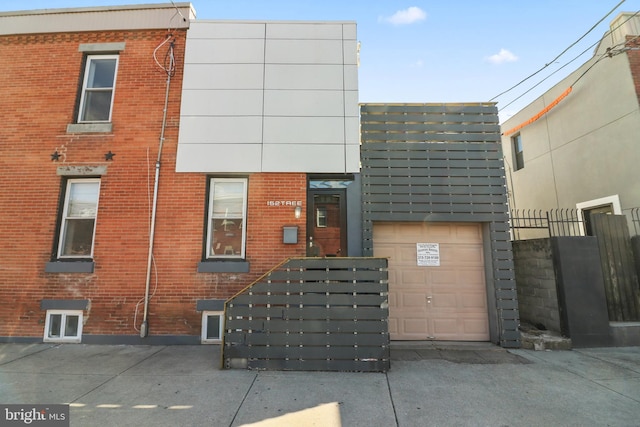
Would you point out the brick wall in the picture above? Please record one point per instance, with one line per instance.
(39, 88)
(634, 61)
(536, 283)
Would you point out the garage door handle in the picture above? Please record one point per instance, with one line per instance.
(429, 300)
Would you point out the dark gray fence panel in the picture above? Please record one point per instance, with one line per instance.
(312, 314)
(441, 163)
(618, 267)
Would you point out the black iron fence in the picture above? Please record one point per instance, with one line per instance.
(635, 220)
(564, 222)
(553, 223)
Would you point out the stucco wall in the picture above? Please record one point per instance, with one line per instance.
(583, 149)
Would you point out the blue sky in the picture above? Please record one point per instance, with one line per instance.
(434, 51)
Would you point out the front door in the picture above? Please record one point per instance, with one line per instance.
(326, 223)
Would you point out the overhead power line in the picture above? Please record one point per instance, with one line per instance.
(559, 55)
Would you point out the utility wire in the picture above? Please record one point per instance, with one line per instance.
(549, 76)
(610, 52)
(558, 56)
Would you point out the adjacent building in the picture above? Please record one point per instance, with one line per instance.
(583, 153)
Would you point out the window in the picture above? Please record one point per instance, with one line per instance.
(96, 99)
(77, 229)
(63, 326)
(226, 232)
(212, 327)
(321, 217)
(518, 154)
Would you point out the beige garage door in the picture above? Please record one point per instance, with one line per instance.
(445, 302)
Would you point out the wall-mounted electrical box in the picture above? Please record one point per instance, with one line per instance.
(290, 235)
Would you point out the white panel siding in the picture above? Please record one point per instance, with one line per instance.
(351, 77)
(215, 130)
(224, 51)
(304, 103)
(218, 157)
(303, 158)
(304, 130)
(269, 96)
(349, 31)
(301, 31)
(303, 52)
(223, 76)
(350, 52)
(352, 158)
(295, 76)
(203, 29)
(352, 130)
(351, 102)
(221, 103)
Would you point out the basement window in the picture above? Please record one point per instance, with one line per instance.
(212, 327)
(63, 326)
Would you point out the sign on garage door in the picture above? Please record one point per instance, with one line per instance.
(434, 302)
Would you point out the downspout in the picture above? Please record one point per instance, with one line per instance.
(144, 327)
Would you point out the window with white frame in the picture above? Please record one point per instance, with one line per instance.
(98, 86)
(518, 152)
(212, 327)
(226, 231)
(78, 224)
(63, 326)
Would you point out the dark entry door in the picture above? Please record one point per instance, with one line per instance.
(326, 223)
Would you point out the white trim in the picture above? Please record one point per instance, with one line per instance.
(85, 80)
(210, 217)
(203, 333)
(63, 222)
(62, 337)
(613, 201)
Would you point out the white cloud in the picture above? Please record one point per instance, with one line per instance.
(501, 57)
(407, 16)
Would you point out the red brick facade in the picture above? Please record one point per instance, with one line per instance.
(634, 61)
(39, 87)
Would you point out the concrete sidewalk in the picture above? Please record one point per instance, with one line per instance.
(426, 386)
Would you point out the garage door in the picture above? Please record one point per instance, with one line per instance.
(445, 302)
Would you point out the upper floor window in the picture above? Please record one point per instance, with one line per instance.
(77, 228)
(518, 153)
(226, 231)
(98, 86)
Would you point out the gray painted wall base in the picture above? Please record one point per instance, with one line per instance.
(625, 334)
(581, 297)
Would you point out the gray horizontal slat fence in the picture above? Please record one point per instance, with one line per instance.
(441, 163)
(312, 314)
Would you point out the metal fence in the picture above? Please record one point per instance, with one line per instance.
(635, 220)
(554, 223)
(562, 222)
